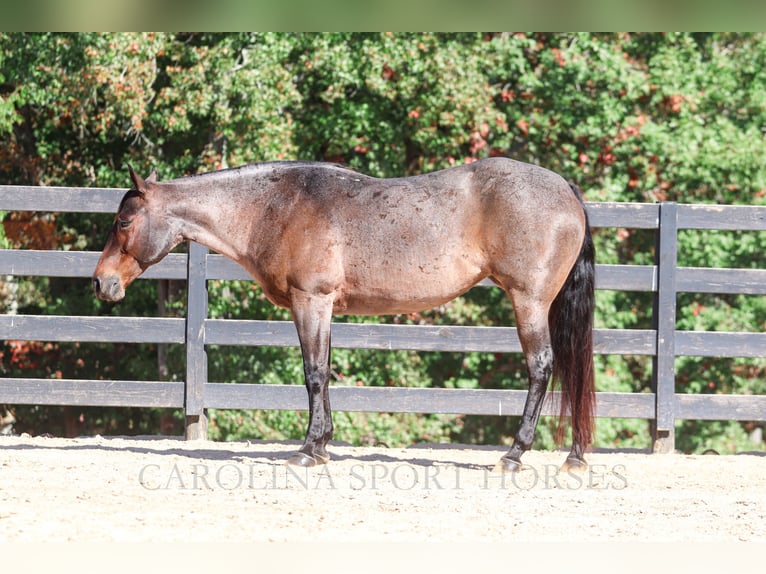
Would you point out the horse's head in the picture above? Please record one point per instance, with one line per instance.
(141, 236)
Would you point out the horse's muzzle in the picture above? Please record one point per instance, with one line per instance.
(108, 288)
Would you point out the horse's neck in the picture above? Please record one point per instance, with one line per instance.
(214, 215)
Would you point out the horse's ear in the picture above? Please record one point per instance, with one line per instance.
(138, 183)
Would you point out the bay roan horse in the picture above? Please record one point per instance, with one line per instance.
(321, 239)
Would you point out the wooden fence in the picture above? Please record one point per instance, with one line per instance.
(196, 394)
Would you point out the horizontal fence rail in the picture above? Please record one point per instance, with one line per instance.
(197, 331)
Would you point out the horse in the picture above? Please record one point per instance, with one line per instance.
(322, 239)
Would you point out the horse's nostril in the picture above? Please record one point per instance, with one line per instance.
(108, 288)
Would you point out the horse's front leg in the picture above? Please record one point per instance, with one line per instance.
(312, 315)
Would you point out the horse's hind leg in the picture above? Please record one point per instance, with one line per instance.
(312, 315)
(532, 325)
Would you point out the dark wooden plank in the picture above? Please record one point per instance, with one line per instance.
(368, 336)
(27, 262)
(626, 277)
(250, 333)
(720, 344)
(32, 263)
(629, 215)
(721, 407)
(624, 341)
(663, 371)
(722, 217)
(63, 199)
(174, 266)
(414, 337)
(625, 405)
(15, 391)
(253, 396)
(92, 329)
(415, 400)
(373, 399)
(220, 267)
(426, 338)
(709, 280)
(196, 355)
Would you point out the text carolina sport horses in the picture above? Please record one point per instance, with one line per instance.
(321, 239)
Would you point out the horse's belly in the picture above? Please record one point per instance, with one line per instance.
(392, 293)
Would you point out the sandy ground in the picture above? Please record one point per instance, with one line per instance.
(165, 490)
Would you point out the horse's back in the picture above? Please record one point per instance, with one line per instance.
(499, 179)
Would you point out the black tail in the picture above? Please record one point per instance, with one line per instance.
(571, 324)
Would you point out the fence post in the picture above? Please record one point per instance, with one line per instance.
(664, 319)
(196, 355)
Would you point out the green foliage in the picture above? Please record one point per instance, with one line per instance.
(628, 117)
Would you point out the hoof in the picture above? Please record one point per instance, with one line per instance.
(507, 465)
(574, 464)
(306, 460)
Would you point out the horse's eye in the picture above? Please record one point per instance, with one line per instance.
(124, 223)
